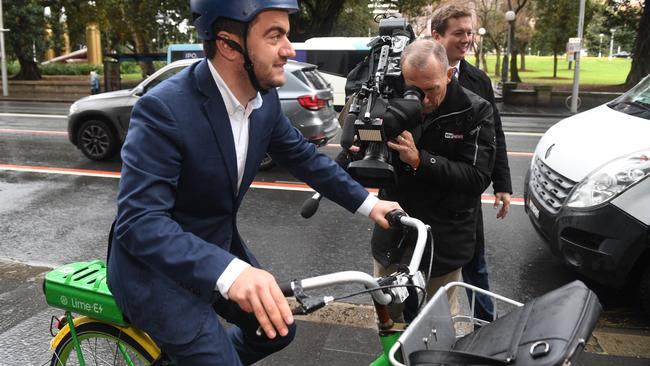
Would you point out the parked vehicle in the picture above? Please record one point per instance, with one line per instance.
(97, 124)
(588, 191)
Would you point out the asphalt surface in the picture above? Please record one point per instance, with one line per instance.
(49, 219)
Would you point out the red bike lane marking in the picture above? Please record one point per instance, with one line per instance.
(485, 198)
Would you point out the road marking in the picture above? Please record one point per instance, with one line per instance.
(535, 134)
(33, 132)
(284, 186)
(28, 115)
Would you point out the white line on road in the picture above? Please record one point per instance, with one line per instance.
(27, 115)
(529, 134)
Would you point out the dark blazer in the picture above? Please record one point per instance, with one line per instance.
(476, 81)
(456, 144)
(176, 226)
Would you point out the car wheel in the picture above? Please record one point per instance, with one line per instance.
(267, 162)
(97, 140)
(644, 290)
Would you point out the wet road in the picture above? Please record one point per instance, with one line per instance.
(53, 212)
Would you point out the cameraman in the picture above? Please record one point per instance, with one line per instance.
(443, 165)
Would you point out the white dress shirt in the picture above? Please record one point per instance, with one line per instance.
(240, 121)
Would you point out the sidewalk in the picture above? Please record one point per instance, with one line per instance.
(328, 344)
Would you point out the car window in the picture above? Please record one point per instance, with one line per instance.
(636, 101)
(312, 78)
(162, 77)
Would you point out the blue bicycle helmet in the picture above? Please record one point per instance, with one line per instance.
(205, 12)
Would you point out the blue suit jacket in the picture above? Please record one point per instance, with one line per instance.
(176, 222)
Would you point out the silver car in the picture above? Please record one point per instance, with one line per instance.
(97, 124)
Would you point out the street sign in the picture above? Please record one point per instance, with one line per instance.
(573, 45)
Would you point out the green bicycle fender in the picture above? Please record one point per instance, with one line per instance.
(139, 336)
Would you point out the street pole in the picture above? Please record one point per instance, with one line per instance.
(576, 69)
(510, 17)
(611, 43)
(5, 84)
(481, 33)
(600, 45)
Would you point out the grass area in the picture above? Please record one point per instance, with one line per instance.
(593, 70)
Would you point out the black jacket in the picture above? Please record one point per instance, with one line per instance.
(475, 80)
(457, 149)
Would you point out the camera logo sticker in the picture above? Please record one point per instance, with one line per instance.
(63, 300)
(454, 136)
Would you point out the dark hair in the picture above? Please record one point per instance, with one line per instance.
(444, 12)
(223, 24)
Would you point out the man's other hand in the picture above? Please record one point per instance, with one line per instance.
(378, 213)
(256, 291)
(505, 198)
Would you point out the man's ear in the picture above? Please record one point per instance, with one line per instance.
(450, 74)
(436, 35)
(224, 48)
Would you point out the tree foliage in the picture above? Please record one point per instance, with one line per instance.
(641, 59)
(556, 23)
(26, 36)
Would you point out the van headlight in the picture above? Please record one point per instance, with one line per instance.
(611, 179)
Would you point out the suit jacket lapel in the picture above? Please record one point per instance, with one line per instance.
(215, 110)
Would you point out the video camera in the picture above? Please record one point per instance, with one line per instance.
(379, 109)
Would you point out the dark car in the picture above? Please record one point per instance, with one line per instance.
(97, 124)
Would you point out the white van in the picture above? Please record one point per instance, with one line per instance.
(588, 193)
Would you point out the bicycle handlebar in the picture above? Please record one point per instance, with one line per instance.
(395, 218)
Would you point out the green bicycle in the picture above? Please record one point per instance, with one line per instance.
(99, 334)
(94, 331)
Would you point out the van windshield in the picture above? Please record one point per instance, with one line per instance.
(636, 101)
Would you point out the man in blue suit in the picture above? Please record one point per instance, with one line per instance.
(192, 150)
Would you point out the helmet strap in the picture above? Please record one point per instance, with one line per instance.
(248, 64)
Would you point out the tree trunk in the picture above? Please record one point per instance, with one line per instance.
(28, 70)
(554, 64)
(570, 64)
(641, 58)
(141, 47)
(484, 63)
(522, 53)
(497, 66)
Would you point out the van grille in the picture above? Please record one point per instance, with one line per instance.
(550, 188)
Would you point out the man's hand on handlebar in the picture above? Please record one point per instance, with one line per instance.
(378, 213)
(255, 291)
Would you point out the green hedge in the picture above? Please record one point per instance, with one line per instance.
(126, 67)
(69, 69)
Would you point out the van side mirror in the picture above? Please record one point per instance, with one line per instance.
(138, 90)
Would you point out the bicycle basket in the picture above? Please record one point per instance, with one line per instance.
(81, 288)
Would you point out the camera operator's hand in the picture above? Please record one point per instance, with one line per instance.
(378, 213)
(406, 148)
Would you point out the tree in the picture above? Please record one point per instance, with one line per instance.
(641, 58)
(491, 18)
(556, 21)
(514, 47)
(354, 20)
(26, 38)
(315, 18)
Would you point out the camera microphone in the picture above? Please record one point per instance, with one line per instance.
(347, 133)
(310, 206)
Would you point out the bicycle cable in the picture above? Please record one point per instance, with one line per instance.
(422, 289)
